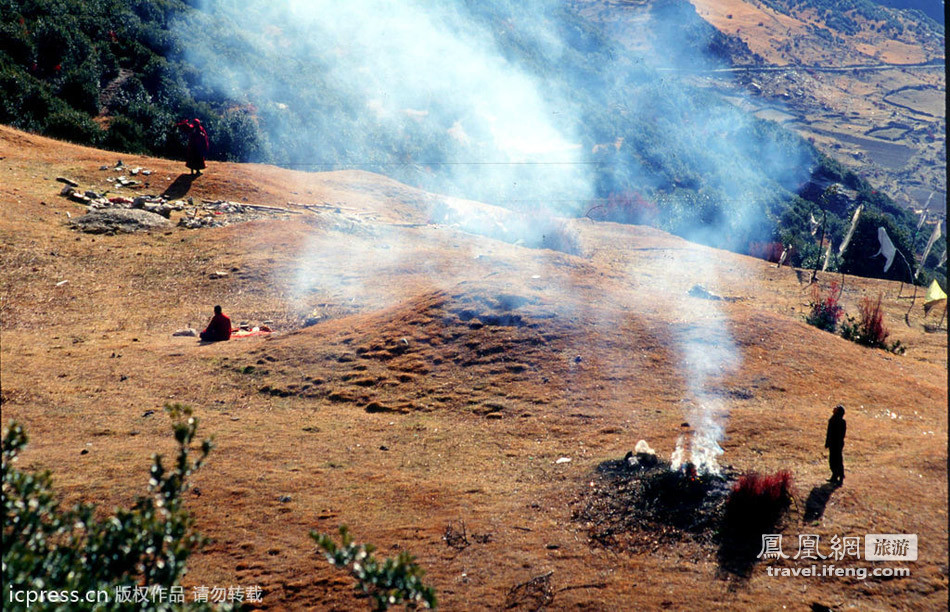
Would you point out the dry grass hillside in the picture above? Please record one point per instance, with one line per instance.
(445, 376)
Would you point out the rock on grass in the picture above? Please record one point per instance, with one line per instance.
(118, 220)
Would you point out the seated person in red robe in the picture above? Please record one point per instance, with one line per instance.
(219, 328)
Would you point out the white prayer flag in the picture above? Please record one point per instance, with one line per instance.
(930, 243)
(888, 250)
(854, 224)
(824, 266)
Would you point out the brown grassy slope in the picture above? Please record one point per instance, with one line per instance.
(443, 386)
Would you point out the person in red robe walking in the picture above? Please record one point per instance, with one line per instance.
(198, 145)
(218, 329)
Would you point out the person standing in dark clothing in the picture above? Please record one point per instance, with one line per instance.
(834, 442)
(198, 145)
(218, 329)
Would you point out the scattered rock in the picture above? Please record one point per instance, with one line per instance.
(198, 222)
(642, 456)
(284, 499)
(69, 182)
(564, 460)
(148, 413)
(188, 331)
(118, 220)
(643, 447)
(84, 451)
(218, 274)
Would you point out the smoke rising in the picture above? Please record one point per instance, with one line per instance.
(420, 91)
(525, 104)
(707, 352)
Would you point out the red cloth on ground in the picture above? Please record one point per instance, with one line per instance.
(218, 329)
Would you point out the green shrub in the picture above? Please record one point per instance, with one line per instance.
(125, 135)
(238, 137)
(24, 102)
(392, 582)
(46, 547)
(80, 89)
(71, 125)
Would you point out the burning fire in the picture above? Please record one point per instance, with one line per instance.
(704, 450)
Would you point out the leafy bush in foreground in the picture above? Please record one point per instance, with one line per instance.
(394, 581)
(49, 548)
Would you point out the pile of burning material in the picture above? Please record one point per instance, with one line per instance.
(639, 502)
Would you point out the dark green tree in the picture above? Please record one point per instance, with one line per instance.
(859, 258)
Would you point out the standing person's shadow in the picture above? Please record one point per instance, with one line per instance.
(817, 500)
(179, 187)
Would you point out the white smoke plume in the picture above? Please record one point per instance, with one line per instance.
(707, 352)
(478, 101)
